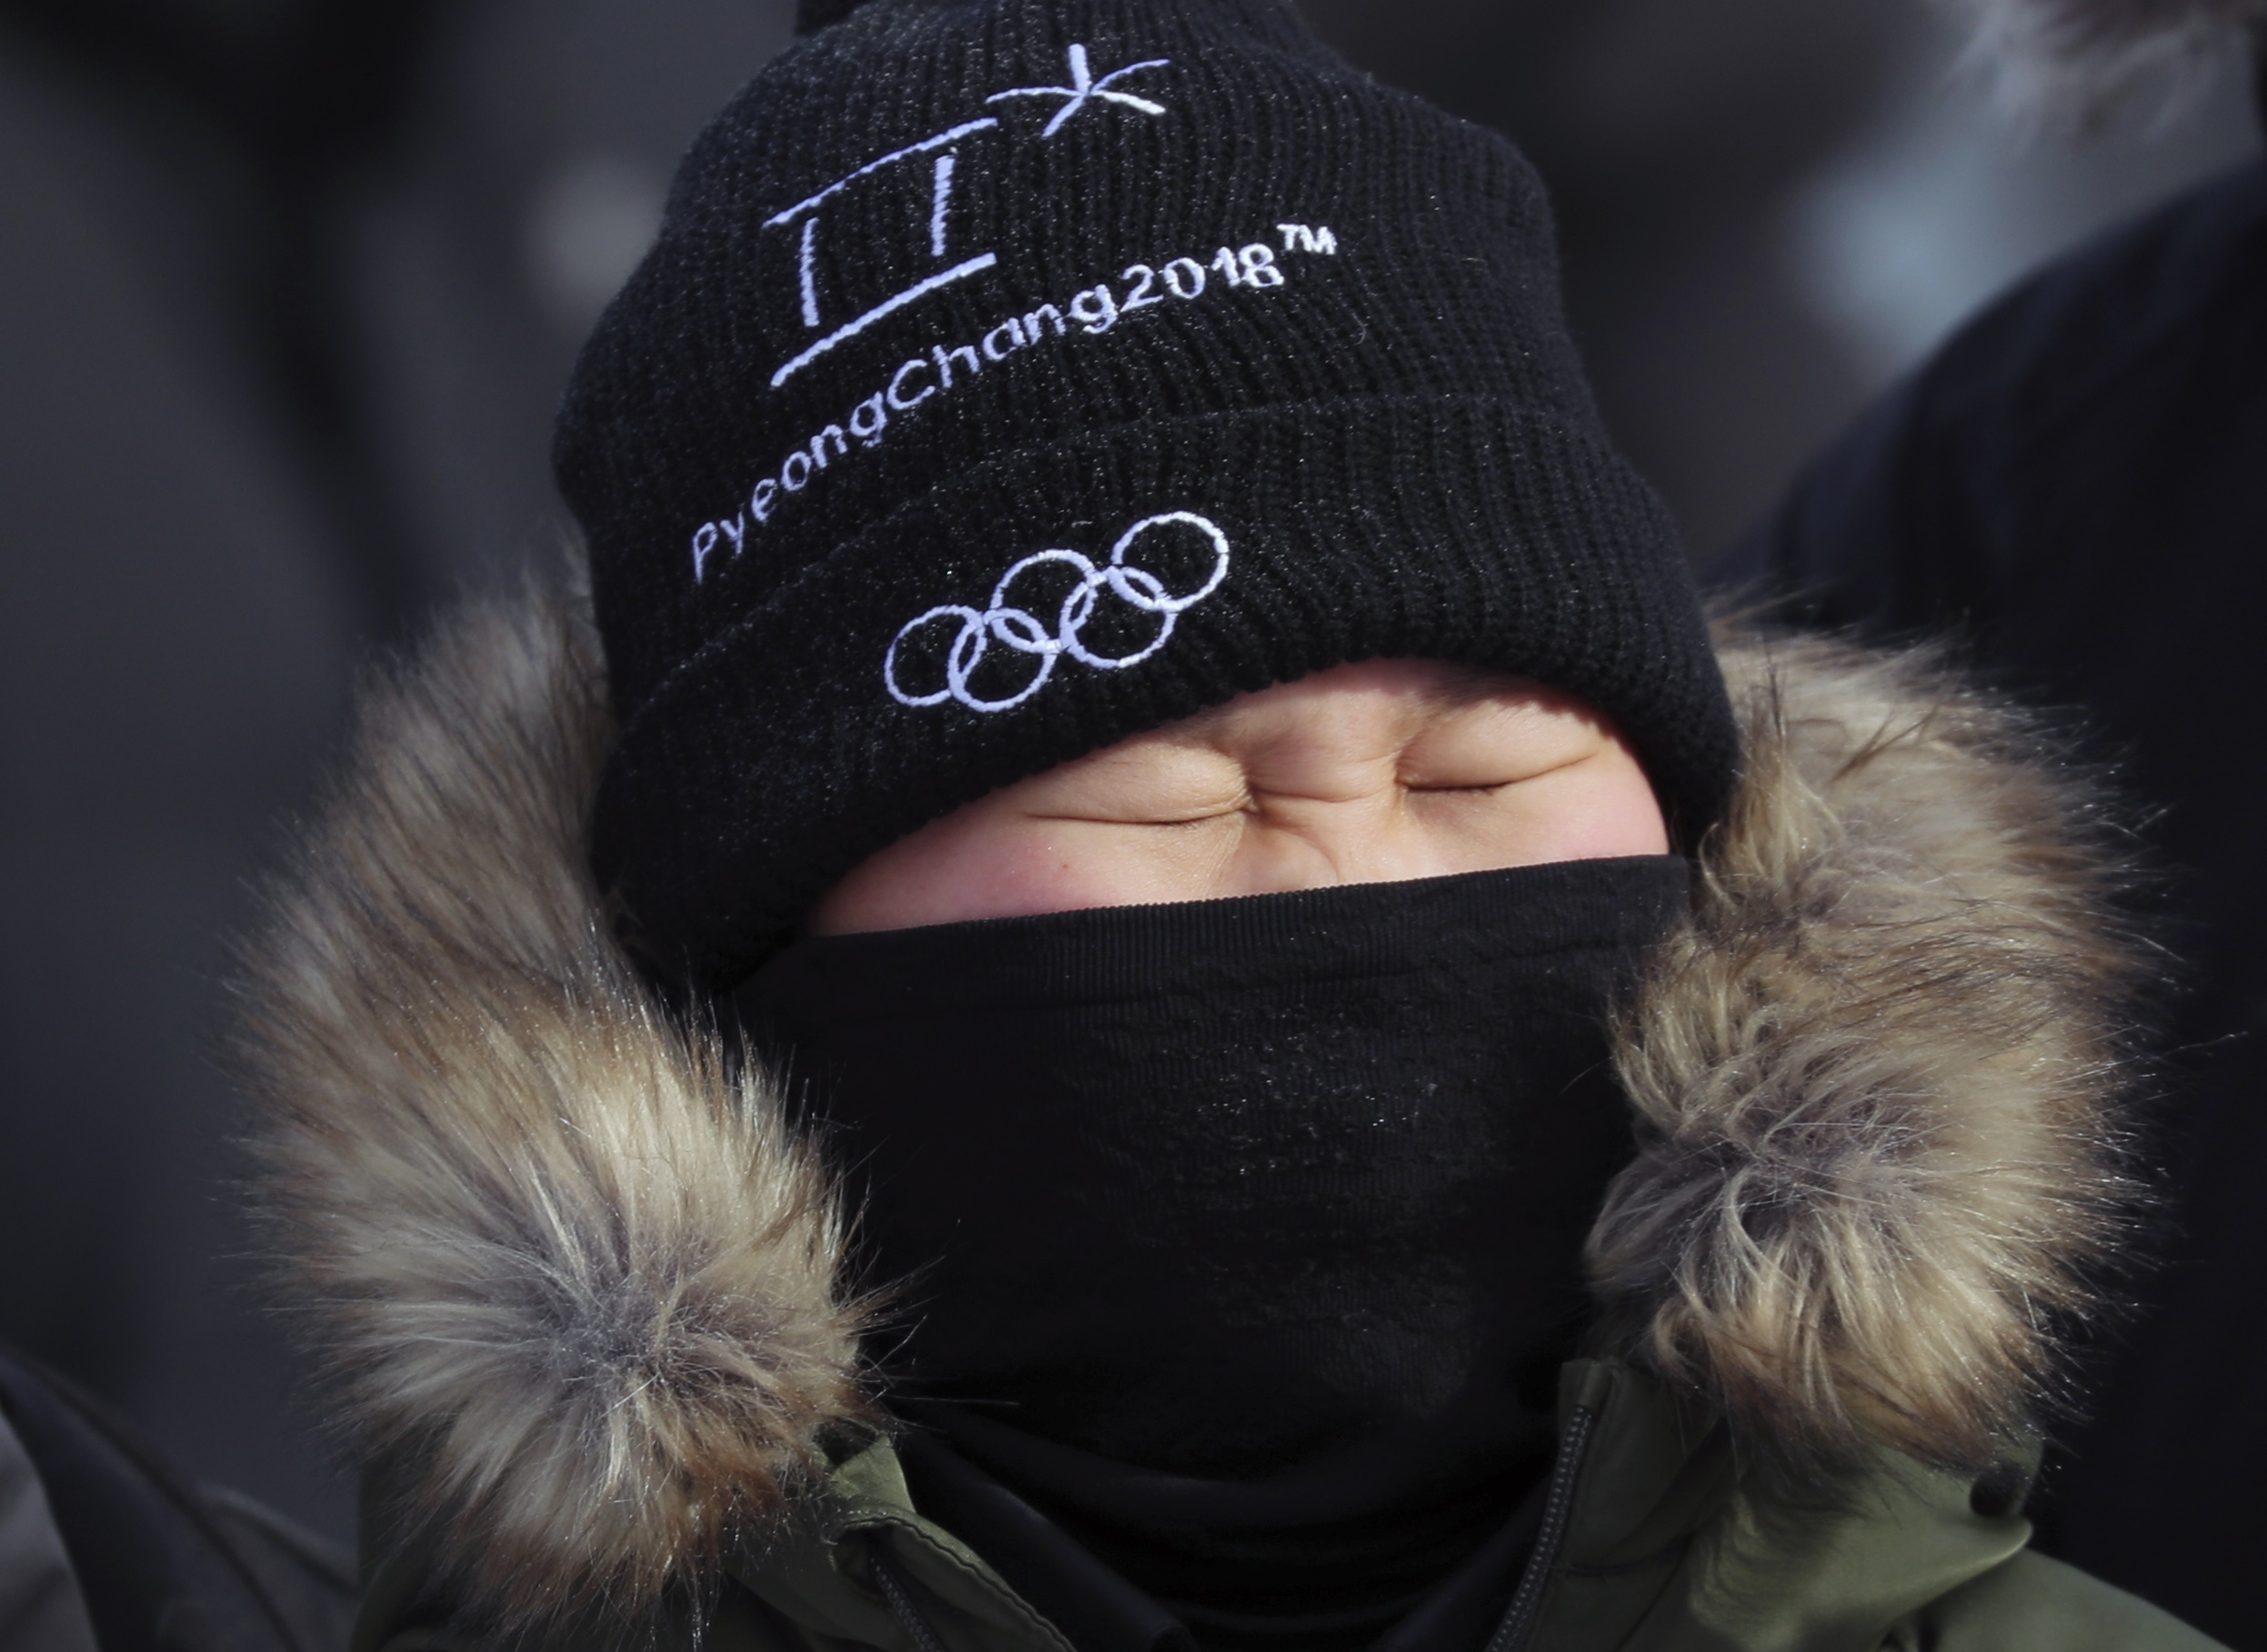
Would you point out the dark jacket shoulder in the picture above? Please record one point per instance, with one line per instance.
(2114, 401)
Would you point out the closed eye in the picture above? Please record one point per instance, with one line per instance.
(1196, 818)
(1484, 788)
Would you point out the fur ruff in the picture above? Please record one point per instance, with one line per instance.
(550, 1240)
(556, 1248)
(1874, 1076)
(2077, 62)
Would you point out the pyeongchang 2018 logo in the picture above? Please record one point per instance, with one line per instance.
(806, 217)
(912, 195)
(1054, 607)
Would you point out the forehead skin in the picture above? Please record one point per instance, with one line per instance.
(1369, 773)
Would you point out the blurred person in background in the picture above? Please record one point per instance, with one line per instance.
(105, 1547)
(2077, 483)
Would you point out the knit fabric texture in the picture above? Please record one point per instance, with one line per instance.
(1011, 376)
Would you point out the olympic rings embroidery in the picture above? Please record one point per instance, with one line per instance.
(1023, 632)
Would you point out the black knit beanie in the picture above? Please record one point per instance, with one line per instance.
(1015, 376)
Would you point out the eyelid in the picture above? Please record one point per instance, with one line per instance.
(1132, 818)
(1569, 760)
(1203, 784)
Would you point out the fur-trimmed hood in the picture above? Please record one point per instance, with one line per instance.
(555, 1246)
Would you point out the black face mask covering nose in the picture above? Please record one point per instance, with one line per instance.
(1241, 1237)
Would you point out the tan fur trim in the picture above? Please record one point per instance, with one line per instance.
(552, 1244)
(558, 1250)
(1872, 1077)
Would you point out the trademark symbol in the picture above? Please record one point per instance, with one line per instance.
(1299, 238)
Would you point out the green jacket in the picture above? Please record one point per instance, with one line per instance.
(566, 1255)
(1647, 1541)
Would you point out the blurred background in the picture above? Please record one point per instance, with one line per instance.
(287, 290)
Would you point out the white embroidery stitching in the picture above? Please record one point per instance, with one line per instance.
(940, 206)
(807, 262)
(1022, 631)
(810, 262)
(953, 136)
(1091, 312)
(1306, 238)
(920, 289)
(1084, 88)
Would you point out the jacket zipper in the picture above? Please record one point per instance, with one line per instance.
(1519, 1623)
(893, 1590)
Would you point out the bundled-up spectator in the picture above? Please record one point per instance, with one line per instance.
(1402, 1094)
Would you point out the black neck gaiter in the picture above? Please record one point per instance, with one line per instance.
(1240, 1238)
